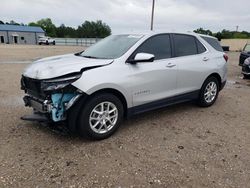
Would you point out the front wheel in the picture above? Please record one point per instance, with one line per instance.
(246, 76)
(209, 92)
(100, 117)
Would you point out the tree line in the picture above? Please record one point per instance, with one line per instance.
(225, 34)
(88, 29)
(98, 29)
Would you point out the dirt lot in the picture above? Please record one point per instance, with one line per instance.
(17, 53)
(179, 146)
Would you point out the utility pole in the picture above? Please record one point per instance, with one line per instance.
(152, 16)
(237, 28)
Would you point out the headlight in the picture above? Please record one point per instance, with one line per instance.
(247, 61)
(58, 83)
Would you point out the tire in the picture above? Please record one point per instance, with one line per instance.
(95, 122)
(246, 76)
(208, 99)
(54, 43)
(40, 43)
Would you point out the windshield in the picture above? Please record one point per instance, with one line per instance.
(111, 47)
(247, 48)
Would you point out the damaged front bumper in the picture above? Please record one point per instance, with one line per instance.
(56, 108)
(51, 105)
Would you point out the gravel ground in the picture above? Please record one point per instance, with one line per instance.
(179, 146)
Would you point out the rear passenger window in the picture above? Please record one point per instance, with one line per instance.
(214, 43)
(200, 47)
(184, 45)
(158, 45)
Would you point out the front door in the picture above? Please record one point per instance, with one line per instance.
(153, 81)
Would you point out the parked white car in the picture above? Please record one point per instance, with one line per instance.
(124, 75)
(46, 40)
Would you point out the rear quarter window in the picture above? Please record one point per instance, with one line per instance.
(213, 42)
(200, 47)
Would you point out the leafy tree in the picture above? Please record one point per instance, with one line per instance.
(47, 25)
(87, 29)
(33, 24)
(64, 31)
(93, 29)
(218, 35)
(12, 22)
(226, 34)
(203, 31)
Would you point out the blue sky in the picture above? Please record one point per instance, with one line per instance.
(134, 15)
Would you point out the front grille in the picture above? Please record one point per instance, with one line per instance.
(32, 86)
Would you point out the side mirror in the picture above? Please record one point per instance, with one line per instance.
(142, 57)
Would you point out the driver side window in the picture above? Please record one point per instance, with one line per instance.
(158, 45)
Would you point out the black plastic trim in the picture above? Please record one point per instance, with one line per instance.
(223, 85)
(73, 112)
(163, 103)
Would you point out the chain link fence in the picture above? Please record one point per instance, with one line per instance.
(76, 41)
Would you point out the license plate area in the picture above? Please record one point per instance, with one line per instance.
(37, 104)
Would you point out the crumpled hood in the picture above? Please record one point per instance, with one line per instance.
(56, 66)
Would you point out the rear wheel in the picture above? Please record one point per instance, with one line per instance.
(100, 117)
(209, 92)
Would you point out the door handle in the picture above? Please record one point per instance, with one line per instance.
(205, 58)
(170, 65)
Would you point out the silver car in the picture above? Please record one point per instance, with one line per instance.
(124, 75)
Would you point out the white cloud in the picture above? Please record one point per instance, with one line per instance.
(133, 15)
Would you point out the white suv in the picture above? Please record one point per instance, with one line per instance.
(46, 40)
(124, 75)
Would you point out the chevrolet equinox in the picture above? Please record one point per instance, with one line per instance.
(124, 75)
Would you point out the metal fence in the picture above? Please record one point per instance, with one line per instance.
(76, 41)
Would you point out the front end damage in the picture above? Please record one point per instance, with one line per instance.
(50, 98)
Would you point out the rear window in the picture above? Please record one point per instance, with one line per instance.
(184, 45)
(213, 42)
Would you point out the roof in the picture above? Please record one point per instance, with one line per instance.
(149, 33)
(20, 28)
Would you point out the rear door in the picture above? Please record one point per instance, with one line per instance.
(192, 61)
(153, 81)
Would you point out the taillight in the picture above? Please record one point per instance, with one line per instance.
(225, 57)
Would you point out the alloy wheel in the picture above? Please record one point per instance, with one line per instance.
(210, 92)
(103, 117)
